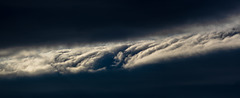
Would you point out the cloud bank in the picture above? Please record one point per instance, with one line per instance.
(109, 56)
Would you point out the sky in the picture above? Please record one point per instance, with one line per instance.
(120, 48)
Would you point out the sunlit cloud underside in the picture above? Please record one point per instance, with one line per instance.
(111, 56)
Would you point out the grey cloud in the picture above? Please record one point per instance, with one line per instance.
(122, 55)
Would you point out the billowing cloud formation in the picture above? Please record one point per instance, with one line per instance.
(28, 22)
(125, 55)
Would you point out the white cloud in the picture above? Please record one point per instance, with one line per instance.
(43, 60)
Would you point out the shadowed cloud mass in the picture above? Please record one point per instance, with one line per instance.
(29, 22)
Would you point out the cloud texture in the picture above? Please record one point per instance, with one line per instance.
(109, 56)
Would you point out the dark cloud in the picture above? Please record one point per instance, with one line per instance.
(59, 21)
(214, 75)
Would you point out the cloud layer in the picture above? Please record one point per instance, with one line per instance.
(108, 56)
